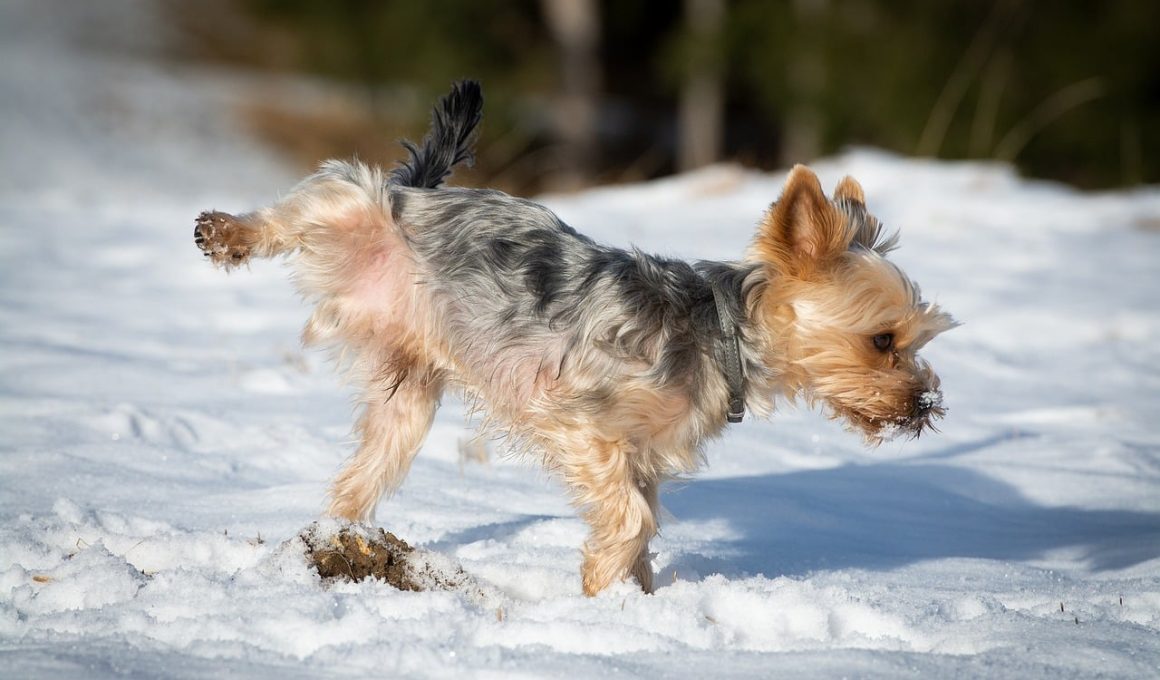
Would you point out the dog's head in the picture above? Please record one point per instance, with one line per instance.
(842, 324)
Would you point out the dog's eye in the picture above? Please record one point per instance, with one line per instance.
(884, 342)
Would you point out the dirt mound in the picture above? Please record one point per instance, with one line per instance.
(351, 552)
(357, 553)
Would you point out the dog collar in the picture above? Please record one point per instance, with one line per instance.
(729, 354)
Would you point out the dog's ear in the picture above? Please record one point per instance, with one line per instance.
(849, 189)
(802, 229)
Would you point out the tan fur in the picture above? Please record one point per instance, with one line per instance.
(849, 190)
(829, 300)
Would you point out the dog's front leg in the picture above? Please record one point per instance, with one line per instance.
(621, 511)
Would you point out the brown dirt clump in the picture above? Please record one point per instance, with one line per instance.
(358, 554)
(351, 552)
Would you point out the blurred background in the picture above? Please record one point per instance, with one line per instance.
(583, 92)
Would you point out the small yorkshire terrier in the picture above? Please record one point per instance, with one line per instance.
(616, 366)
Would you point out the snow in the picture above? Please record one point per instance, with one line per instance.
(162, 437)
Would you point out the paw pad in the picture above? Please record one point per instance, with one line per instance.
(221, 238)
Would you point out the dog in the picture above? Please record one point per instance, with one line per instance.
(614, 366)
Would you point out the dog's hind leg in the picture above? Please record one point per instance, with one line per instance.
(400, 404)
(642, 567)
(322, 213)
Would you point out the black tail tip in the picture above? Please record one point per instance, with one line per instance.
(449, 140)
(468, 90)
(461, 109)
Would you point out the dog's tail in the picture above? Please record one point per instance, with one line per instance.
(447, 143)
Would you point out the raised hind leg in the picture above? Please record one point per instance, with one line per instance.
(400, 404)
(324, 212)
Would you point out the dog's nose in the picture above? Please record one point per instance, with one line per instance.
(926, 401)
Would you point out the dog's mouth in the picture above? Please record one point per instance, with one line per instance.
(925, 408)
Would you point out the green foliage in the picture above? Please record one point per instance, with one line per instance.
(885, 66)
(418, 42)
(1069, 90)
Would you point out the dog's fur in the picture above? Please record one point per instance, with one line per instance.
(607, 362)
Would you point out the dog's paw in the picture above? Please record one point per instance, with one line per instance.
(221, 238)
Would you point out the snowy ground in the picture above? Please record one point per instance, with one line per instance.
(161, 435)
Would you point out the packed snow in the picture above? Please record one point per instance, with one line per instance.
(163, 438)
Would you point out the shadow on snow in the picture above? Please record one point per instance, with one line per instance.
(889, 515)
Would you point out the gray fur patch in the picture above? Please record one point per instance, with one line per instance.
(509, 270)
(867, 231)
